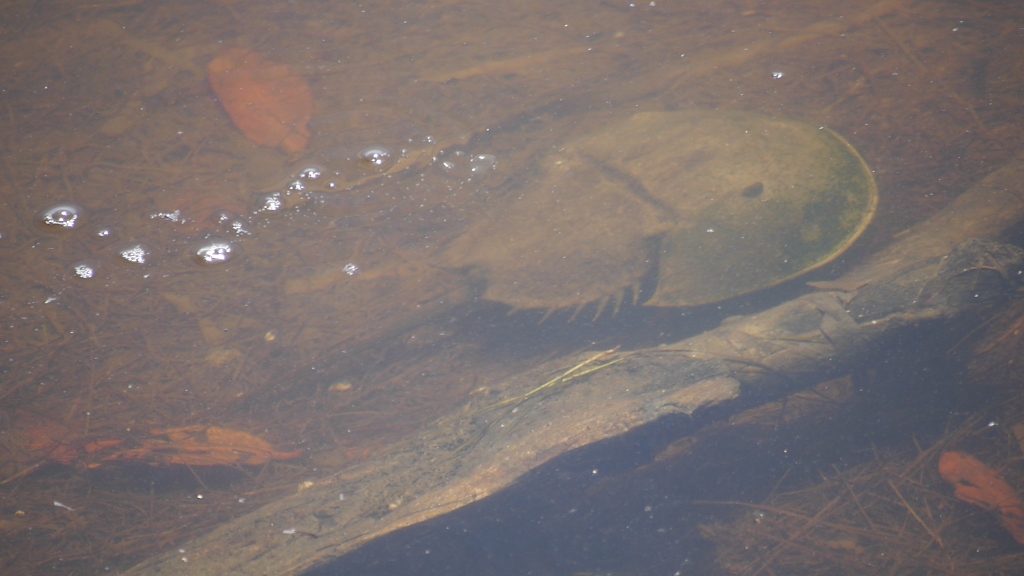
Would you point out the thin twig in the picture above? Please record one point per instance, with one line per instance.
(927, 529)
(854, 496)
(799, 533)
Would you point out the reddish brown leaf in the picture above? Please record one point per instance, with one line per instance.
(266, 101)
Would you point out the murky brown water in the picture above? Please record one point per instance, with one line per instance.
(327, 329)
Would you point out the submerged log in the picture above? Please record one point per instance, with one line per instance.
(949, 271)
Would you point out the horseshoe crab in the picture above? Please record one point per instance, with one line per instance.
(718, 204)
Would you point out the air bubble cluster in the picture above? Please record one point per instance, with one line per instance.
(466, 166)
(375, 157)
(84, 270)
(269, 203)
(136, 254)
(61, 217)
(311, 173)
(214, 252)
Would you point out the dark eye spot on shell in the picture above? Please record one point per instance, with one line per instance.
(753, 191)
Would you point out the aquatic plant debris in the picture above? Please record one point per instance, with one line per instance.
(270, 104)
(977, 484)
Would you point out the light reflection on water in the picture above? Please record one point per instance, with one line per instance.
(124, 180)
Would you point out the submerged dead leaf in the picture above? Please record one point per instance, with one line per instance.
(203, 446)
(34, 437)
(266, 101)
(32, 440)
(976, 483)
